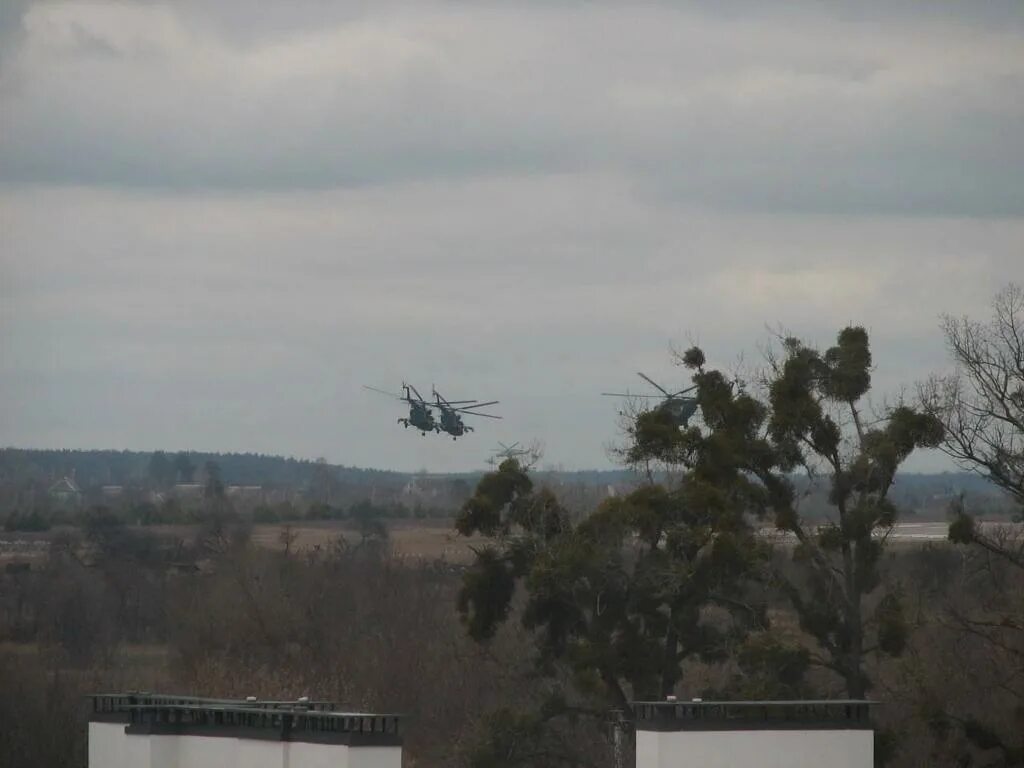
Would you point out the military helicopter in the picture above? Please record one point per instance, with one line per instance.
(503, 452)
(422, 417)
(451, 416)
(680, 408)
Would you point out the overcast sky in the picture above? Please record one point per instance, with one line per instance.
(217, 222)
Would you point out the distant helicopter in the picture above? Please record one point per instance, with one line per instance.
(507, 452)
(422, 417)
(451, 420)
(680, 408)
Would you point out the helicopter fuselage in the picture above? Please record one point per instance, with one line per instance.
(420, 417)
(448, 418)
(452, 423)
(680, 408)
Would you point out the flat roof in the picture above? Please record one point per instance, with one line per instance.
(699, 715)
(307, 720)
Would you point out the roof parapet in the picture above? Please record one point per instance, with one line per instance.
(699, 715)
(299, 720)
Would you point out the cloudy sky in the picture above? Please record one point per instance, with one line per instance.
(218, 220)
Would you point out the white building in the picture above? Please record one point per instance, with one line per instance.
(152, 731)
(766, 734)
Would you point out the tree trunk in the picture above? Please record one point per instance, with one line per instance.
(854, 626)
(616, 694)
(669, 666)
(619, 739)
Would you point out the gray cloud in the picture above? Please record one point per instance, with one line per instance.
(217, 224)
(249, 322)
(779, 112)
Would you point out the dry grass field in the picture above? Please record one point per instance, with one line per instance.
(420, 539)
(429, 540)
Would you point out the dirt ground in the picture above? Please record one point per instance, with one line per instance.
(415, 539)
(424, 539)
(420, 539)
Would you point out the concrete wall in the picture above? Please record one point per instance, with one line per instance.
(374, 757)
(301, 755)
(755, 749)
(262, 754)
(111, 747)
(163, 750)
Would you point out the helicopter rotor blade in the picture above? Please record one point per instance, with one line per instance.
(477, 405)
(630, 394)
(417, 393)
(683, 391)
(442, 406)
(383, 392)
(437, 395)
(474, 413)
(445, 402)
(654, 384)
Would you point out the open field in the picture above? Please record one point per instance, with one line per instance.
(423, 539)
(419, 539)
(416, 539)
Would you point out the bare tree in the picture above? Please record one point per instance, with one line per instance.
(981, 405)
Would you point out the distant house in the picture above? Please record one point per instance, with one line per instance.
(434, 491)
(195, 491)
(425, 489)
(242, 490)
(279, 495)
(253, 493)
(188, 490)
(66, 491)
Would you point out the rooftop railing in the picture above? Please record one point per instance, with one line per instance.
(298, 720)
(122, 702)
(673, 715)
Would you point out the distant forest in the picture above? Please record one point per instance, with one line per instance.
(107, 467)
(914, 493)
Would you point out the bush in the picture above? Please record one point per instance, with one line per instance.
(42, 723)
(321, 511)
(101, 522)
(33, 521)
(146, 513)
(265, 514)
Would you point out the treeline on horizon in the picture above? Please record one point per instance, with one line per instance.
(40, 490)
(98, 467)
(94, 468)
(101, 466)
